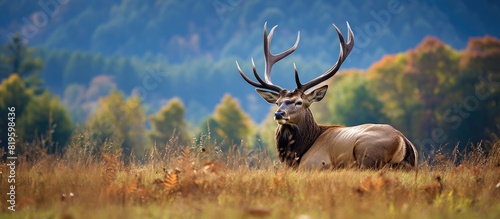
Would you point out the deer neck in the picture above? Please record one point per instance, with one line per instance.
(293, 140)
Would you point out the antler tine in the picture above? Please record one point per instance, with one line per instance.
(253, 83)
(270, 58)
(261, 83)
(266, 85)
(297, 79)
(345, 49)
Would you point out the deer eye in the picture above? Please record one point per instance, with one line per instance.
(298, 103)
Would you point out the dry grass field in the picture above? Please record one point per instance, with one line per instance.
(202, 182)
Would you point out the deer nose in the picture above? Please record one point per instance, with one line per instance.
(279, 115)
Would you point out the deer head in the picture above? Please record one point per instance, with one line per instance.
(293, 104)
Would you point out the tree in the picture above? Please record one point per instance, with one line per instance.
(433, 67)
(169, 123)
(396, 90)
(475, 115)
(439, 96)
(13, 94)
(38, 113)
(120, 121)
(229, 125)
(19, 59)
(47, 118)
(41, 116)
(351, 102)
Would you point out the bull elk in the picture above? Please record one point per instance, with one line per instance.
(303, 143)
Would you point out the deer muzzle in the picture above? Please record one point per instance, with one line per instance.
(280, 117)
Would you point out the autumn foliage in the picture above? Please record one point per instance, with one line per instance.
(437, 96)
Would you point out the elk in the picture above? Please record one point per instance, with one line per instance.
(303, 143)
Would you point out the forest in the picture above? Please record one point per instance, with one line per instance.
(143, 75)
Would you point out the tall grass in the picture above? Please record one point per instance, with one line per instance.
(200, 181)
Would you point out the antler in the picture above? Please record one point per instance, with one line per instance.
(270, 60)
(345, 49)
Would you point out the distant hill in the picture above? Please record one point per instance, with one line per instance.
(179, 31)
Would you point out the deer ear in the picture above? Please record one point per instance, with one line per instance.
(317, 95)
(269, 96)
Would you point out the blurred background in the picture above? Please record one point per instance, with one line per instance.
(138, 73)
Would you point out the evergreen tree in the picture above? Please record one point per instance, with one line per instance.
(17, 58)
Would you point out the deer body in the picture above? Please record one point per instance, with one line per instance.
(304, 144)
(308, 145)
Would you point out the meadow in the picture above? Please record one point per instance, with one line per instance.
(200, 181)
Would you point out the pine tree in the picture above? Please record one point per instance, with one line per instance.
(17, 58)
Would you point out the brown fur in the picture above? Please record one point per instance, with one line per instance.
(294, 140)
(303, 143)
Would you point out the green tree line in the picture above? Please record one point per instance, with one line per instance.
(193, 44)
(436, 95)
